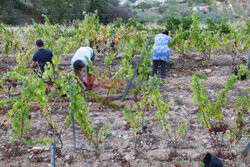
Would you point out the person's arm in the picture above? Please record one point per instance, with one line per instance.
(169, 40)
(78, 73)
(51, 59)
(34, 62)
(51, 54)
(93, 54)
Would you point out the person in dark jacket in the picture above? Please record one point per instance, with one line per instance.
(42, 56)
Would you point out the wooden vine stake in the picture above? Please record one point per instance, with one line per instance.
(73, 119)
(137, 66)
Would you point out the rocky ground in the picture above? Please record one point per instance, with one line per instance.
(155, 148)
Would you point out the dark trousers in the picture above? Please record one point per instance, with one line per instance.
(163, 68)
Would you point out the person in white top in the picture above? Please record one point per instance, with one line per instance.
(80, 60)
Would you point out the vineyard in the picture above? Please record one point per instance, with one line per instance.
(201, 107)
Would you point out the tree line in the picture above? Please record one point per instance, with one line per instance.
(59, 11)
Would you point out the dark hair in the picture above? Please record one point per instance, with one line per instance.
(39, 43)
(91, 43)
(165, 32)
(78, 64)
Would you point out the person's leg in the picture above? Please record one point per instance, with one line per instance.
(92, 78)
(155, 67)
(89, 84)
(93, 58)
(89, 79)
(163, 69)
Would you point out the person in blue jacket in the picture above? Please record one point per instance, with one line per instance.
(42, 56)
(161, 53)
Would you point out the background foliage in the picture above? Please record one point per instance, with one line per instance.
(59, 11)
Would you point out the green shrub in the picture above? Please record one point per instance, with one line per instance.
(162, 9)
(211, 25)
(173, 23)
(209, 2)
(146, 18)
(11, 12)
(118, 22)
(216, 15)
(186, 12)
(247, 28)
(135, 22)
(143, 6)
(224, 27)
(237, 9)
(212, 8)
(186, 22)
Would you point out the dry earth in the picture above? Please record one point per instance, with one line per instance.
(118, 148)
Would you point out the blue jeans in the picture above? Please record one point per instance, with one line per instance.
(163, 68)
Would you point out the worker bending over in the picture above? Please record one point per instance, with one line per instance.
(79, 61)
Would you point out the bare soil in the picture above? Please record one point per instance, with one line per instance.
(155, 149)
